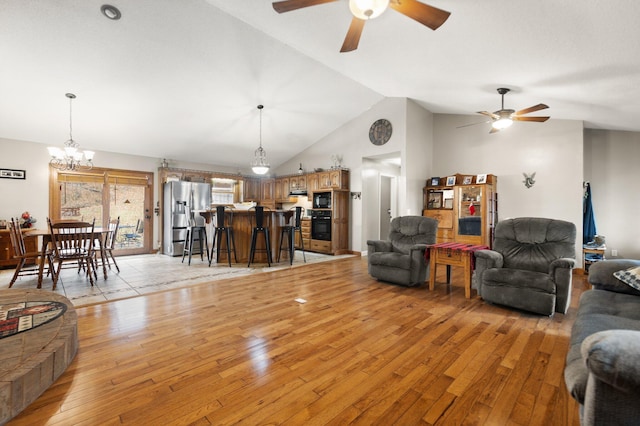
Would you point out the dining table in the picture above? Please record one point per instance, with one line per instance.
(99, 235)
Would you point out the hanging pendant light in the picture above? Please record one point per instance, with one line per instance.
(260, 164)
(70, 157)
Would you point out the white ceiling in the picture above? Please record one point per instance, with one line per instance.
(181, 79)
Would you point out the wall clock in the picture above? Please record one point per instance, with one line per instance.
(380, 132)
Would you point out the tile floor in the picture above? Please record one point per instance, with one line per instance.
(143, 274)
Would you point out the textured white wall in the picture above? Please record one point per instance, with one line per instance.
(611, 166)
(553, 150)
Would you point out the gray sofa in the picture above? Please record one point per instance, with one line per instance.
(602, 370)
(400, 259)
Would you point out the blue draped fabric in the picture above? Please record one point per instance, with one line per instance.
(588, 218)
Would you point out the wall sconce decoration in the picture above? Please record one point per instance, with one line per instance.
(528, 179)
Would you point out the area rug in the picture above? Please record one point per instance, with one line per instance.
(144, 274)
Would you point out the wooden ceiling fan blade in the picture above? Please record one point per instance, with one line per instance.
(353, 35)
(427, 15)
(536, 119)
(289, 5)
(531, 109)
(489, 114)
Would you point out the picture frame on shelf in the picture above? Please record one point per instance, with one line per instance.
(435, 200)
(468, 180)
(448, 203)
(435, 181)
(481, 178)
(451, 180)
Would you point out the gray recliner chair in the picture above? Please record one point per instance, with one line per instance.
(530, 265)
(400, 259)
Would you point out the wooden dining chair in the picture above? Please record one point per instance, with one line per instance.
(108, 245)
(28, 263)
(72, 243)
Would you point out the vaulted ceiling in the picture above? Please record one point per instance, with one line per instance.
(181, 79)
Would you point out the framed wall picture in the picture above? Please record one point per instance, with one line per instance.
(13, 174)
(435, 181)
(451, 180)
(481, 178)
(467, 180)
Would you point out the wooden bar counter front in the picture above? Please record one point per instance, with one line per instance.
(242, 228)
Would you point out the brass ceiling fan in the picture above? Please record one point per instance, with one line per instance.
(364, 10)
(504, 118)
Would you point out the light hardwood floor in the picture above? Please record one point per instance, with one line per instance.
(357, 352)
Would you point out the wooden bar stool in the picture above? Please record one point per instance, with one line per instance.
(290, 232)
(259, 225)
(223, 228)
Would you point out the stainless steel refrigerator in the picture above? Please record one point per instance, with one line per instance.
(182, 201)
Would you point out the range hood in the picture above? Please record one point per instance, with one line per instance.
(297, 192)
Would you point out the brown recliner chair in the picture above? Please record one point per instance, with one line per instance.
(400, 259)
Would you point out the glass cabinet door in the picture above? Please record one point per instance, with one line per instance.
(470, 210)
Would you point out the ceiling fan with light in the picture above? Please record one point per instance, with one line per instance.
(504, 118)
(363, 10)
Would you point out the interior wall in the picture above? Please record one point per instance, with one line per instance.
(552, 150)
(417, 158)
(32, 194)
(611, 166)
(351, 143)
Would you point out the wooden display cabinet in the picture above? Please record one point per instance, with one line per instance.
(466, 211)
(438, 202)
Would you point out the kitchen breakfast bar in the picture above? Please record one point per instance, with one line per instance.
(242, 222)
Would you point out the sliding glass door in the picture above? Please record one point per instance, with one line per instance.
(103, 195)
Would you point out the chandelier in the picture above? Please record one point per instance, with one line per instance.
(70, 157)
(260, 164)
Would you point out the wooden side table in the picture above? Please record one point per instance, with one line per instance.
(597, 255)
(452, 254)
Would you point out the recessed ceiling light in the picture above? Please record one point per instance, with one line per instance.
(110, 12)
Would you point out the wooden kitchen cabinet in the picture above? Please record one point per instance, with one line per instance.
(305, 224)
(281, 188)
(334, 179)
(339, 179)
(251, 189)
(297, 183)
(267, 197)
(313, 182)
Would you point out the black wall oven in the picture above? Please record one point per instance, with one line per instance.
(321, 225)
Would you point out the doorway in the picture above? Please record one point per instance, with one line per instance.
(104, 195)
(385, 206)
